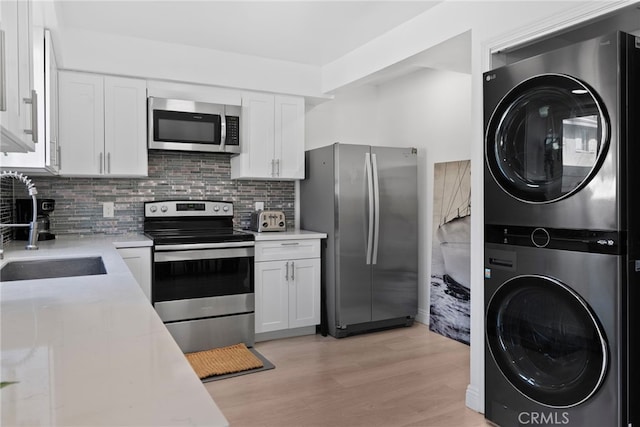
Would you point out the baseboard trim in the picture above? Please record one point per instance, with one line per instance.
(473, 400)
(423, 316)
(285, 333)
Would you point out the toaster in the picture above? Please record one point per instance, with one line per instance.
(268, 221)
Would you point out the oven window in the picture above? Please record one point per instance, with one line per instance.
(186, 279)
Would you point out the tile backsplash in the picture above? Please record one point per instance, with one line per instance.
(172, 175)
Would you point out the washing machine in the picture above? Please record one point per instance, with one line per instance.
(558, 134)
(559, 346)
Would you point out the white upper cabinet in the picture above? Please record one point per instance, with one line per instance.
(125, 126)
(102, 125)
(289, 136)
(44, 160)
(18, 116)
(272, 138)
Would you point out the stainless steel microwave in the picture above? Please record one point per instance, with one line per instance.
(176, 124)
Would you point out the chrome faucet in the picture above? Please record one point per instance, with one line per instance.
(33, 225)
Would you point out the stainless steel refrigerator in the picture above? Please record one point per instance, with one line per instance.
(365, 198)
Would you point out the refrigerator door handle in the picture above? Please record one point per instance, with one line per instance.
(376, 210)
(367, 167)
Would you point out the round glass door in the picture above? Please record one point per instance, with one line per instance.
(546, 341)
(546, 138)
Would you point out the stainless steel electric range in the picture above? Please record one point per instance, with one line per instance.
(203, 273)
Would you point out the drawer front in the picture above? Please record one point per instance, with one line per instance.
(287, 249)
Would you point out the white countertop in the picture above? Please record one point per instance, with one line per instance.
(286, 235)
(91, 350)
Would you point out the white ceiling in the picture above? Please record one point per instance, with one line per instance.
(307, 32)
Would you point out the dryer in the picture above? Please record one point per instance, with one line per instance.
(557, 136)
(558, 337)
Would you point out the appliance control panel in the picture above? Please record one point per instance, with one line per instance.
(173, 208)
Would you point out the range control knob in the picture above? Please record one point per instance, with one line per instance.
(265, 224)
(153, 208)
(281, 223)
(225, 208)
(216, 208)
(164, 208)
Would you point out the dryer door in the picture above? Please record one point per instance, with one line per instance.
(546, 341)
(546, 138)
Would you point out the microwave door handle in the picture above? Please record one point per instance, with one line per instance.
(223, 131)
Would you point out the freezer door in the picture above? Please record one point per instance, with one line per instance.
(353, 274)
(395, 252)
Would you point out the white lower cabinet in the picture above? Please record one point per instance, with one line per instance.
(139, 262)
(287, 291)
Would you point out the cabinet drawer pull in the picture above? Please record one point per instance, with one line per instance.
(290, 244)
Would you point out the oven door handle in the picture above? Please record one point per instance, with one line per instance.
(191, 246)
(201, 254)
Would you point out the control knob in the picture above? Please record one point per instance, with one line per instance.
(164, 208)
(153, 208)
(225, 208)
(216, 208)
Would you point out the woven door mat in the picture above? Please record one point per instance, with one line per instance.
(224, 360)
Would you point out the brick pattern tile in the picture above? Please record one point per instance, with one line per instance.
(172, 175)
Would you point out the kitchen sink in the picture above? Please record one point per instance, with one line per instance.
(52, 268)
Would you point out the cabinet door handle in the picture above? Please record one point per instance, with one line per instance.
(34, 116)
(3, 79)
(273, 167)
(109, 162)
(278, 167)
(100, 162)
(59, 159)
(286, 271)
(293, 271)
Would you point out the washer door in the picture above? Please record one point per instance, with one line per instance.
(546, 138)
(546, 341)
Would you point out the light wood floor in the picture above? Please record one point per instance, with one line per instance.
(400, 377)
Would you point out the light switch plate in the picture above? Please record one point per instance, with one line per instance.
(108, 209)
(259, 206)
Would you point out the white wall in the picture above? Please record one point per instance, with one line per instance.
(429, 110)
(108, 54)
(350, 118)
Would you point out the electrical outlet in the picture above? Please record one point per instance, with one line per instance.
(108, 209)
(259, 206)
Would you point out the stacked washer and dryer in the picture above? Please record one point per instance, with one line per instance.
(562, 220)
